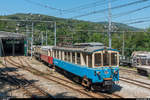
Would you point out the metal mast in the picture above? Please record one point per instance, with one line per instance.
(27, 38)
(46, 37)
(42, 38)
(32, 39)
(55, 33)
(123, 45)
(109, 18)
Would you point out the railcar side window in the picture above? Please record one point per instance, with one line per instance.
(143, 61)
(57, 54)
(90, 60)
(68, 56)
(138, 60)
(65, 55)
(78, 58)
(61, 55)
(114, 59)
(98, 60)
(73, 57)
(106, 59)
(148, 62)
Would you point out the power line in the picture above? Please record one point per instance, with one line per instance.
(129, 12)
(45, 6)
(103, 10)
(135, 19)
(86, 6)
(138, 22)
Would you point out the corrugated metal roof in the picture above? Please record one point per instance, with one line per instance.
(141, 53)
(91, 44)
(83, 49)
(11, 35)
(46, 47)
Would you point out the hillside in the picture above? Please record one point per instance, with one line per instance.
(99, 26)
(72, 31)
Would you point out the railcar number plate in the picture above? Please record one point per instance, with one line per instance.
(107, 82)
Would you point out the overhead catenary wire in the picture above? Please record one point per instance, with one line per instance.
(138, 22)
(135, 19)
(129, 12)
(45, 6)
(87, 6)
(106, 9)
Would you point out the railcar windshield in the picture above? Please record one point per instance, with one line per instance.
(106, 59)
(113, 59)
(142, 61)
(98, 59)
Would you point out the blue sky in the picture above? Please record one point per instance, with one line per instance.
(22, 6)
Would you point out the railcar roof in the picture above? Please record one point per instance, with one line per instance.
(141, 53)
(89, 44)
(11, 35)
(83, 49)
(46, 47)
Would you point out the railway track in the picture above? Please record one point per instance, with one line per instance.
(29, 88)
(128, 70)
(135, 82)
(64, 82)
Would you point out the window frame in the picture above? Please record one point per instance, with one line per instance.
(102, 61)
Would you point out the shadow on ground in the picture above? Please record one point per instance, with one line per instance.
(9, 83)
(63, 95)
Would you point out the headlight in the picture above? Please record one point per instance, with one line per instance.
(116, 72)
(106, 72)
(98, 73)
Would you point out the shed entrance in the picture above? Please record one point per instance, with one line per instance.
(13, 47)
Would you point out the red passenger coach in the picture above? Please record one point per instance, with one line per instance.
(46, 55)
(50, 60)
(45, 58)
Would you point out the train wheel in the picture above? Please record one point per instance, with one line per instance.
(86, 82)
(53, 68)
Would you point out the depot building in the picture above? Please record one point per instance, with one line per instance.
(12, 44)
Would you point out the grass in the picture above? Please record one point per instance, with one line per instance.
(127, 67)
(149, 76)
(1, 62)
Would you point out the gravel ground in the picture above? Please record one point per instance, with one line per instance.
(54, 89)
(124, 89)
(132, 91)
(129, 90)
(8, 90)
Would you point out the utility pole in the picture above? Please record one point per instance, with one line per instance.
(109, 18)
(46, 37)
(55, 33)
(42, 38)
(123, 45)
(32, 39)
(27, 38)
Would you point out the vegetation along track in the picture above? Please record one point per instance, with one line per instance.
(29, 88)
(62, 81)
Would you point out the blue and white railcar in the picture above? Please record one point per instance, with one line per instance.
(94, 63)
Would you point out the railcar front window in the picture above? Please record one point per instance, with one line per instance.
(106, 59)
(98, 60)
(113, 59)
(143, 61)
(148, 62)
